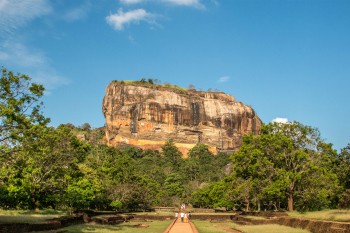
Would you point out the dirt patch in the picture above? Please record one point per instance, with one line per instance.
(141, 226)
(228, 229)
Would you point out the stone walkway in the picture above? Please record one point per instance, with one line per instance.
(182, 227)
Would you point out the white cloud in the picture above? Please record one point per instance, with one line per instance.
(32, 62)
(131, 1)
(49, 78)
(16, 13)
(121, 18)
(224, 79)
(78, 13)
(193, 3)
(17, 53)
(14, 51)
(280, 120)
(189, 3)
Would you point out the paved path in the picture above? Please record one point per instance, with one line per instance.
(182, 227)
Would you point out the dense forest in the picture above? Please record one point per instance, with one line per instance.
(288, 166)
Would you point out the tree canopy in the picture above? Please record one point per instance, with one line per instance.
(288, 166)
(20, 108)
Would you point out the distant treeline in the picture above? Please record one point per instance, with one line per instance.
(149, 82)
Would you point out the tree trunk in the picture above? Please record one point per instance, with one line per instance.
(247, 208)
(290, 196)
(275, 205)
(290, 201)
(35, 202)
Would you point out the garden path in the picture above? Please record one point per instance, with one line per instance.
(183, 227)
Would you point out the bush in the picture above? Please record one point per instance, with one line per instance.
(344, 201)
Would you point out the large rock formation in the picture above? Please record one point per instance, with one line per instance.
(146, 115)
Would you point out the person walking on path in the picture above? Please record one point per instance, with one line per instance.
(182, 215)
(176, 215)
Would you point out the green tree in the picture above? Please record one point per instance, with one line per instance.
(342, 166)
(121, 177)
(201, 198)
(207, 169)
(20, 108)
(41, 170)
(191, 167)
(101, 169)
(302, 136)
(80, 194)
(86, 127)
(172, 156)
(174, 185)
(284, 159)
(151, 164)
(219, 195)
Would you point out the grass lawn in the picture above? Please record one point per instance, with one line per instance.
(28, 216)
(209, 227)
(160, 213)
(219, 227)
(129, 227)
(330, 215)
(270, 228)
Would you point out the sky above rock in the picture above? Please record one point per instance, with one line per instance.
(288, 59)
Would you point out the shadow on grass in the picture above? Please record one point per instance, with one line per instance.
(29, 216)
(24, 219)
(127, 228)
(43, 212)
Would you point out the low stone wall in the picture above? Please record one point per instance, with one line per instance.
(28, 227)
(112, 220)
(213, 217)
(164, 209)
(267, 214)
(52, 224)
(150, 217)
(14, 228)
(315, 226)
(254, 221)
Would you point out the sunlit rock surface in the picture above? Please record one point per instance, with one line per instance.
(147, 115)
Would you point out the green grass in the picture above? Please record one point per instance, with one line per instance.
(330, 215)
(209, 227)
(160, 213)
(270, 228)
(222, 227)
(27, 216)
(130, 227)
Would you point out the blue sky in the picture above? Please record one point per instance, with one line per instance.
(285, 58)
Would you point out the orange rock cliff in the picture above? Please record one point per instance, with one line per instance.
(147, 115)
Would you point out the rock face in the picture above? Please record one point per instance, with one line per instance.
(147, 115)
